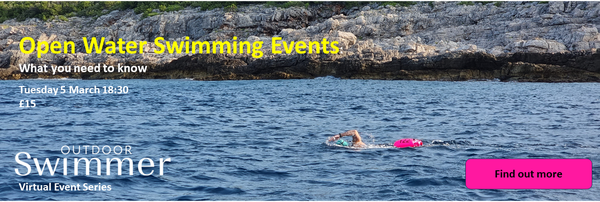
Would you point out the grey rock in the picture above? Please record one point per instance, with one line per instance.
(374, 33)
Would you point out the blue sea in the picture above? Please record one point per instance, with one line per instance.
(266, 139)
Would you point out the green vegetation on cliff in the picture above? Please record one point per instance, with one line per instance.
(49, 10)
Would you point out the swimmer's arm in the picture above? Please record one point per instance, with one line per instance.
(352, 133)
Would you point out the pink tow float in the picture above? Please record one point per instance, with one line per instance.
(408, 142)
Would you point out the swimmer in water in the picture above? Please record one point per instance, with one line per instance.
(356, 139)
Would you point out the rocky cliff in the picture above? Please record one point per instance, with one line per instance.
(511, 41)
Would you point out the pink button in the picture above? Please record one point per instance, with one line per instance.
(528, 174)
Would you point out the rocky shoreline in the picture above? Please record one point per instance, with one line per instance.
(514, 41)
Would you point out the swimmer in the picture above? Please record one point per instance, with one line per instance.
(356, 139)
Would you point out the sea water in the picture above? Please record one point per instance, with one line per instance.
(266, 139)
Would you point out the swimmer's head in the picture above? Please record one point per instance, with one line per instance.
(341, 142)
